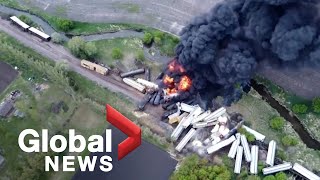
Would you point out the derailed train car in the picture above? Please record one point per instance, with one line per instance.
(94, 67)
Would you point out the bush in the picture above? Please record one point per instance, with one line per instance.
(250, 137)
(140, 56)
(158, 41)
(270, 177)
(65, 24)
(116, 53)
(316, 105)
(281, 154)
(76, 46)
(194, 168)
(277, 123)
(281, 176)
(148, 38)
(27, 20)
(90, 50)
(300, 108)
(57, 38)
(289, 141)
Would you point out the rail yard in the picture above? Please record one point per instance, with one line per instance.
(191, 125)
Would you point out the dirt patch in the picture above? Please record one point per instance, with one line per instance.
(7, 75)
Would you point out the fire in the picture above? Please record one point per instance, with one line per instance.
(173, 87)
(171, 91)
(185, 83)
(175, 66)
(168, 80)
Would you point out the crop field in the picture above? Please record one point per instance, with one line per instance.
(257, 114)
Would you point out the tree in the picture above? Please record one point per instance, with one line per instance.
(300, 108)
(76, 46)
(316, 105)
(57, 38)
(270, 177)
(65, 24)
(116, 53)
(148, 38)
(277, 123)
(281, 176)
(140, 56)
(90, 50)
(289, 141)
(194, 168)
(158, 41)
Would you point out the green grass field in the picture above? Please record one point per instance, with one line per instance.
(85, 104)
(128, 46)
(310, 120)
(257, 114)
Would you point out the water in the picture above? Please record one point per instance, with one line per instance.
(146, 162)
(284, 112)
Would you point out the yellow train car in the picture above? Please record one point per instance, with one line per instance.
(94, 67)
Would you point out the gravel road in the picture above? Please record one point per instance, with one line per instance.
(168, 15)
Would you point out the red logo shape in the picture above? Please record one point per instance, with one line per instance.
(127, 127)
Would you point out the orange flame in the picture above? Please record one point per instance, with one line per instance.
(175, 66)
(185, 83)
(168, 80)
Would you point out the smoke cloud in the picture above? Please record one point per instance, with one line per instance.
(220, 50)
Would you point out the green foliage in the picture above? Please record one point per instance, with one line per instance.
(148, 38)
(270, 177)
(289, 141)
(277, 123)
(81, 49)
(316, 105)
(116, 53)
(253, 177)
(250, 137)
(158, 41)
(260, 166)
(300, 108)
(281, 154)
(57, 38)
(65, 24)
(140, 56)
(193, 168)
(27, 20)
(90, 50)
(281, 176)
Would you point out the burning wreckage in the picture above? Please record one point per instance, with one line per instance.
(217, 56)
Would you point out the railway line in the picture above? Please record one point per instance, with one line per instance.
(58, 53)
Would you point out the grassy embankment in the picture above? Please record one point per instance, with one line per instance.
(84, 101)
(258, 113)
(84, 28)
(309, 119)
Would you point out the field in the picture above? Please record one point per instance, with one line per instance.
(7, 75)
(257, 114)
(68, 101)
(128, 46)
(310, 119)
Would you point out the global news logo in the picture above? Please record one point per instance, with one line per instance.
(30, 141)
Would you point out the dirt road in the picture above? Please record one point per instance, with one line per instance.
(60, 54)
(168, 15)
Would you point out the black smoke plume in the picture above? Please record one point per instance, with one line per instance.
(220, 50)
